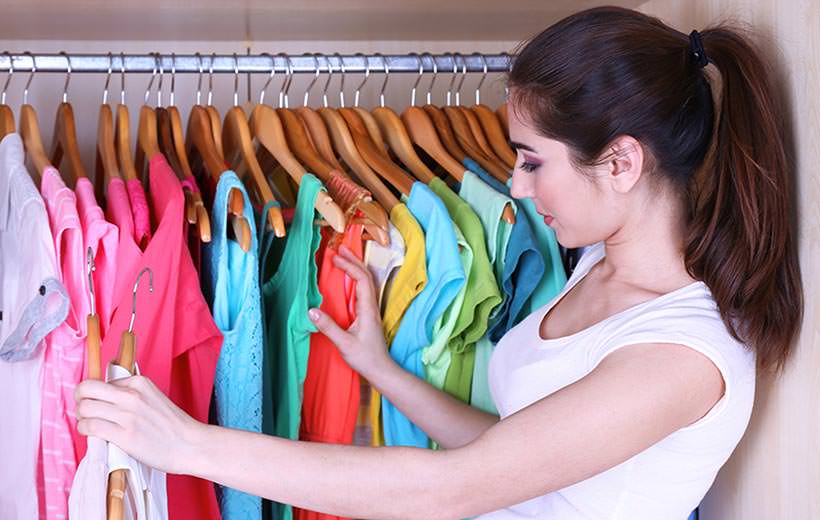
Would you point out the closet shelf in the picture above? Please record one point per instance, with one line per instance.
(266, 20)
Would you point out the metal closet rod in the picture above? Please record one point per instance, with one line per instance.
(225, 63)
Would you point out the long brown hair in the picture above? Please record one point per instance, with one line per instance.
(609, 71)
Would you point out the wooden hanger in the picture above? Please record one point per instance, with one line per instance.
(236, 136)
(126, 358)
(344, 144)
(301, 147)
(30, 133)
(6, 114)
(369, 151)
(317, 132)
(445, 133)
(122, 132)
(465, 138)
(147, 139)
(423, 133)
(501, 114)
(64, 143)
(267, 130)
(106, 157)
(495, 134)
(92, 339)
(400, 143)
(372, 129)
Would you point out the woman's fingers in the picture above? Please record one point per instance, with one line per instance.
(101, 428)
(365, 290)
(329, 327)
(94, 409)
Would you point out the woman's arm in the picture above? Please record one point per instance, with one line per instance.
(443, 418)
(635, 397)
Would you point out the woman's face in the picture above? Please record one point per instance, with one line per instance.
(573, 205)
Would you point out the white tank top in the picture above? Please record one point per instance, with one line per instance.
(669, 479)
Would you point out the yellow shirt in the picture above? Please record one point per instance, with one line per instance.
(407, 284)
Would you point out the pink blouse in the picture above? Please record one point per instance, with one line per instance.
(65, 351)
(178, 342)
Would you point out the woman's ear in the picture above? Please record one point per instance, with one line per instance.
(623, 163)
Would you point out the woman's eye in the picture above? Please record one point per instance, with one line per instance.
(528, 166)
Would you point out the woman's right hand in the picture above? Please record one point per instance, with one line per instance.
(362, 345)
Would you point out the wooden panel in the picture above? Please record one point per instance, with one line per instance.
(277, 20)
(775, 471)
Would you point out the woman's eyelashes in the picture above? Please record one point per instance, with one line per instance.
(528, 165)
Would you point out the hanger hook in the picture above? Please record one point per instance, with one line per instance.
(463, 77)
(108, 78)
(418, 79)
(327, 83)
(509, 69)
(122, 78)
(30, 77)
(211, 78)
(173, 76)
(67, 76)
(199, 79)
(364, 80)
(272, 73)
(8, 79)
(313, 81)
(386, 77)
(134, 301)
(483, 77)
(342, 82)
(235, 80)
(161, 74)
(89, 262)
(432, 81)
(151, 81)
(452, 80)
(283, 92)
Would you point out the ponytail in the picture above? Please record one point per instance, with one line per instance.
(609, 71)
(740, 239)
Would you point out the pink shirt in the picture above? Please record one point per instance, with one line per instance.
(140, 211)
(65, 350)
(33, 302)
(178, 342)
(102, 237)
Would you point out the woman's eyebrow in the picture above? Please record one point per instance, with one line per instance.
(522, 146)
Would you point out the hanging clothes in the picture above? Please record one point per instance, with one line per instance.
(103, 239)
(232, 277)
(331, 389)
(140, 211)
(178, 342)
(33, 302)
(286, 298)
(145, 497)
(410, 280)
(383, 262)
(65, 352)
(445, 276)
(482, 297)
(436, 356)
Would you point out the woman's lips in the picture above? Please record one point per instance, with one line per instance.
(548, 220)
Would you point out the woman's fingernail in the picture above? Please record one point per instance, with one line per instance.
(313, 314)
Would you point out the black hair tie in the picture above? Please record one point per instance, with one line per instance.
(698, 52)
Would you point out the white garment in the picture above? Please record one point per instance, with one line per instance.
(145, 495)
(668, 479)
(32, 303)
(384, 261)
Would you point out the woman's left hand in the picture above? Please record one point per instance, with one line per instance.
(136, 416)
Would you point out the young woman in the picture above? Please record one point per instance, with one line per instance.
(624, 396)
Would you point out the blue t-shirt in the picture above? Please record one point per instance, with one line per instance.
(445, 277)
(232, 279)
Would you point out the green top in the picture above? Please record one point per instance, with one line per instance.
(436, 356)
(481, 298)
(286, 298)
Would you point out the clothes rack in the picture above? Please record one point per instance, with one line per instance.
(256, 63)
